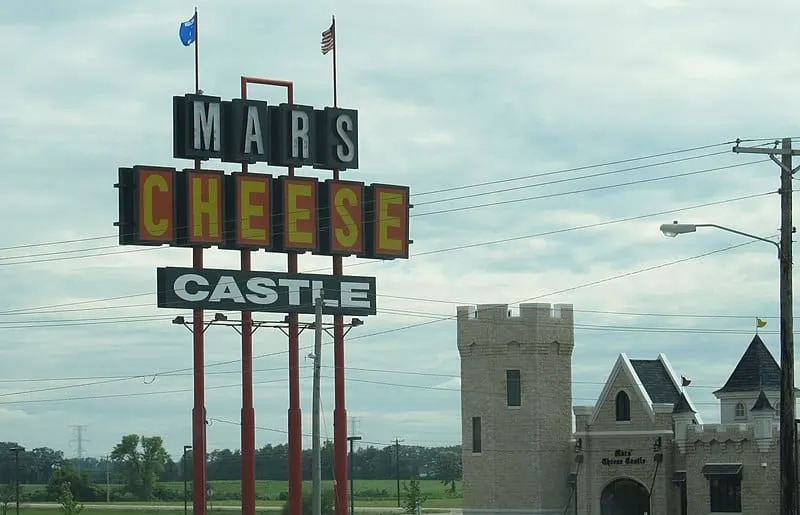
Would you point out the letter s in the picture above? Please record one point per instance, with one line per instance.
(261, 290)
(345, 151)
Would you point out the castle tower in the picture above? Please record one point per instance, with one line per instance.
(516, 407)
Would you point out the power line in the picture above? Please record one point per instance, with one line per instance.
(283, 380)
(450, 318)
(480, 184)
(547, 233)
(26, 260)
(381, 371)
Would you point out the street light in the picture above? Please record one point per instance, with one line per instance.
(674, 229)
(788, 445)
(16, 450)
(352, 439)
(185, 484)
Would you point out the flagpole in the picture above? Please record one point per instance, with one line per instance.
(339, 411)
(335, 92)
(199, 431)
(196, 53)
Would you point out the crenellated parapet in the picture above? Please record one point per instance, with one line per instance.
(488, 329)
(707, 438)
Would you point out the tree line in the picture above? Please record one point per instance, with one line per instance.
(138, 467)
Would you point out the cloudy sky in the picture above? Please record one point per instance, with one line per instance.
(472, 104)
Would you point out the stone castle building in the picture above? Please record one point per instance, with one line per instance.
(640, 449)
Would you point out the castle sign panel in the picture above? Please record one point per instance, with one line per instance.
(277, 292)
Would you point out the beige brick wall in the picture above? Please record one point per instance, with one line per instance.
(759, 483)
(526, 453)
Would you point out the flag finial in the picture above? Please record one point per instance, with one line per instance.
(760, 323)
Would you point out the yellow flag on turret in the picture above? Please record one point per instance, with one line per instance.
(760, 323)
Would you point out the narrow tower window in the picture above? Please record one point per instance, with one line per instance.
(739, 410)
(513, 388)
(476, 434)
(623, 407)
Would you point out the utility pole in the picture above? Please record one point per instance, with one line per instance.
(316, 457)
(397, 467)
(788, 462)
(352, 439)
(16, 450)
(108, 478)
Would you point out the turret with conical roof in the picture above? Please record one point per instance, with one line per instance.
(757, 374)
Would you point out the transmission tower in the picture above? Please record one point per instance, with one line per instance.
(79, 439)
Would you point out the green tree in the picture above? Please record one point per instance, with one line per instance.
(79, 484)
(69, 506)
(7, 496)
(448, 469)
(414, 496)
(141, 460)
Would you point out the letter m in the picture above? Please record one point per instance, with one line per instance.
(207, 126)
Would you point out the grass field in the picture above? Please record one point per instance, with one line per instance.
(368, 493)
(376, 489)
(98, 510)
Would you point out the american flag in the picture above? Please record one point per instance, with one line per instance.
(328, 39)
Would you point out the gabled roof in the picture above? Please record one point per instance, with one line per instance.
(762, 403)
(654, 381)
(757, 370)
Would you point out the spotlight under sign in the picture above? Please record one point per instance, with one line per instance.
(275, 292)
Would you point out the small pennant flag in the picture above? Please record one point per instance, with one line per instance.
(328, 39)
(685, 382)
(760, 323)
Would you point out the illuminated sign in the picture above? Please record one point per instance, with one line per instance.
(234, 290)
(206, 208)
(250, 131)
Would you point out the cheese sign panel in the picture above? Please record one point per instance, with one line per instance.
(207, 208)
(275, 292)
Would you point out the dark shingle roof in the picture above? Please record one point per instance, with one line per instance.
(762, 403)
(757, 370)
(656, 380)
(683, 406)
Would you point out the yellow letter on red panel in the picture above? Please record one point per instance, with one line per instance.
(156, 205)
(205, 207)
(253, 200)
(346, 210)
(300, 219)
(390, 221)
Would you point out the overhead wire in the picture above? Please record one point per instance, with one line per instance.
(475, 185)
(39, 309)
(437, 320)
(26, 259)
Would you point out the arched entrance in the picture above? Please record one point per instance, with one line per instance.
(624, 496)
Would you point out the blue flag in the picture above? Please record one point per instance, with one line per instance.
(188, 31)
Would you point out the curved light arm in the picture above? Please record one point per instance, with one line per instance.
(675, 229)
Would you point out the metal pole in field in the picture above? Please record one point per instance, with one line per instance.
(316, 458)
(397, 467)
(185, 482)
(352, 439)
(108, 479)
(16, 451)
